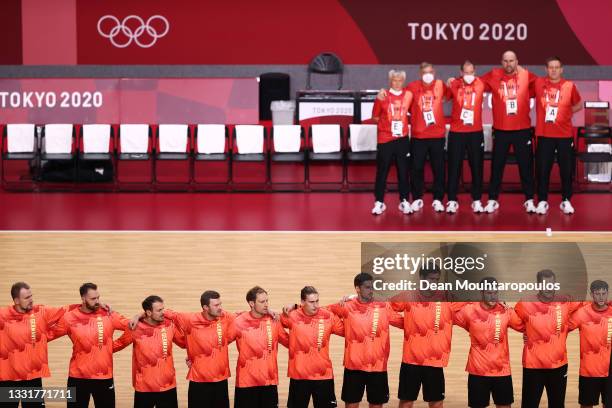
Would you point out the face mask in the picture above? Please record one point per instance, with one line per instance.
(428, 78)
(469, 78)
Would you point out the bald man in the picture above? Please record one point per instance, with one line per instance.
(511, 90)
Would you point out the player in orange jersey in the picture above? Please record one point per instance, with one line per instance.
(257, 339)
(546, 321)
(24, 329)
(91, 329)
(428, 328)
(310, 369)
(208, 335)
(366, 347)
(594, 320)
(488, 363)
(153, 374)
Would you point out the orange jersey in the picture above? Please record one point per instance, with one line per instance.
(207, 342)
(257, 342)
(489, 355)
(152, 362)
(92, 341)
(393, 108)
(23, 342)
(366, 333)
(504, 87)
(595, 338)
(467, 97)
(309, 343)
(428, 329)
(562, 95)
(428, 98)
(546, 327)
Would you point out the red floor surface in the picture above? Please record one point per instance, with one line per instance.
(280, 212)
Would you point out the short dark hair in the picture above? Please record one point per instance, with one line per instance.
(16, 289)
(86, 287)
(466, 62)
(551, 59)
(362, 278)
(598, 284)
(545, 273)
(423, 272)
(206, 296)
(425, 64)
(147, 304)
(307, 290)
(251, 295)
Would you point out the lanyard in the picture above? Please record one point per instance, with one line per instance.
(557, 93)
(512, 88)
(469, 91)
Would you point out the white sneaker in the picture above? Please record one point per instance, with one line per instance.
(416, 205)
(437, 206)
(452, 207)
(529, 206)
(491, 207)
(566, 207)
(477, 207)
(379, 208)
(542, 208)
(404, 207)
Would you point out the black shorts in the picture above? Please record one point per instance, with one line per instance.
(413, 376)
(164, 399)
(322, 391)
(589, 390)
(480, 389)
(256, 397)
(208, 394)
(535, 380)
(356, 381)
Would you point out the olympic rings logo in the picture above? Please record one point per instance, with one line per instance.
(123, 29)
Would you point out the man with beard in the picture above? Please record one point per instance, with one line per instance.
(153, 374)
(24, 334)
(91, 329)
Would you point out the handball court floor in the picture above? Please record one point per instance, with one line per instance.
(179, 266)
(281, 212)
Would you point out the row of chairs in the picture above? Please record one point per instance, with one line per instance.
(144, 157)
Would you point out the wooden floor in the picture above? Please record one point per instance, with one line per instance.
(180, 266)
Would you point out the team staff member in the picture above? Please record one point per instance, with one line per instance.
(208, 335)
(153, 374)
(257, 339)
(310, 369)
(466, 134)
(24, 330)
(366, 347)
(546, 321)
(594, 320)
(510, 88)
(428, 329)
(91, 329)
(557, 99)
(428, 134)
(488, 363)
(391, 116)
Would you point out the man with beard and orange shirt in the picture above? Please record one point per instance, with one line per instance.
(91, 329)
(23, 342)
(153, 374)
(546, 321)
(556, 101)
(488, 363)
(594, 320)
(257, 339)
(310, 368)
(208, 335)
(428, 329)
(366, 347)
(510, 88)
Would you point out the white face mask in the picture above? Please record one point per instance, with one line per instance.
(428, 78)
(468, 78)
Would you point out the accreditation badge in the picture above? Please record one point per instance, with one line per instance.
(429, 118)
(511, 107)
(397, 128)
(551, 114)
(467, 116)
